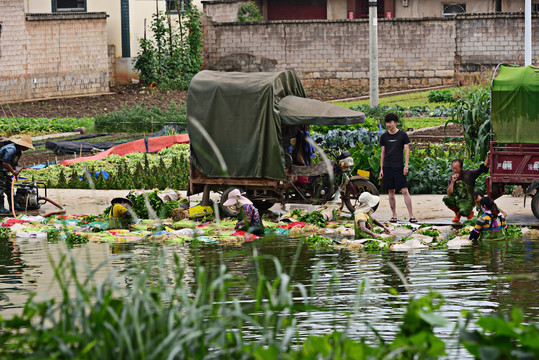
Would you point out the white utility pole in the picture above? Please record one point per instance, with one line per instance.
(528, 33)
(373, 52)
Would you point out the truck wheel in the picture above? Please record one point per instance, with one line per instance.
(350, 199)
(228, 211)
(535, 204)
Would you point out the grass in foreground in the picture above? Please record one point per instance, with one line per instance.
(149, 312)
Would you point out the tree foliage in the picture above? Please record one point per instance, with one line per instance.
(174, 53)
(249, 12)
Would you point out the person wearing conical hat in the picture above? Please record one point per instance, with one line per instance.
(363, 221)
(10, 155)
(248, 217)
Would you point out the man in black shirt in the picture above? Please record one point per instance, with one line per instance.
(393, 167)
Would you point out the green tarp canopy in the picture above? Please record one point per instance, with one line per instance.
(515, 105)
(300, 111)
(238, 112)
(234, 121)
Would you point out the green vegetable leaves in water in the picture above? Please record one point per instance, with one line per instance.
(318, 241)
(74, 239)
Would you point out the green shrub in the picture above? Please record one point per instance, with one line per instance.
(178, 84)
(443, 95)
(139, 119)
(249, 12)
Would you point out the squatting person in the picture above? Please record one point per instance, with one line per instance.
(393, 168)
(363, 220)
(491, 224)
(10, 155)
(119, 215)
(249, 219)
(460, 188)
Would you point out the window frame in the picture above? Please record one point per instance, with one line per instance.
(452, 14)
(55, 8)
(535, 7)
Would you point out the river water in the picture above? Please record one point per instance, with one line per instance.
(489, 276)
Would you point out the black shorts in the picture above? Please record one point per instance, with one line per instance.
(394, 178)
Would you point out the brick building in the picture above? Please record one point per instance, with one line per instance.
(51, 48)
(411, 51)
(51, 55)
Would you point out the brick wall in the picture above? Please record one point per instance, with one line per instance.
(492, 39)
(411, 51)
(48, 55)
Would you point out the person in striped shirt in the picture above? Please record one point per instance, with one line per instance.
(491, 224)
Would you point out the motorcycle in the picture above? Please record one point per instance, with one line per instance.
(323, 182)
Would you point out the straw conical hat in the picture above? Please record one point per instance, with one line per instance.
(25, 141)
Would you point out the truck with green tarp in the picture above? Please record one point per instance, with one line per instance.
(242, 127)
(514, 150)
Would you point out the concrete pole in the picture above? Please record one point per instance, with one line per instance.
(528, 33)
(373, 52)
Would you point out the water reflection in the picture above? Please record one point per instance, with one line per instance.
(11, 272)
(488, 276)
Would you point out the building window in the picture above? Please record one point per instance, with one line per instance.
(535, 7)
(498, 5)
(453, 9)
(69, 5)
(174, 5)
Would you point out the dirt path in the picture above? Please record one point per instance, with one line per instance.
(427, 208)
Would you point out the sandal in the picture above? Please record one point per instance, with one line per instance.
(413, 220)
(393, 220)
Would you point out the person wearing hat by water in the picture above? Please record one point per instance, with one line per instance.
(119, 215)
(248, 217)
(363, 221)
(10, 155)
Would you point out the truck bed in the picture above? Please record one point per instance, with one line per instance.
(515, 163)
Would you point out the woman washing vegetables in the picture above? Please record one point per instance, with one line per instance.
(248, 217)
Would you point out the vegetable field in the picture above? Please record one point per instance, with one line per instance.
(11, 125)
(167, 168)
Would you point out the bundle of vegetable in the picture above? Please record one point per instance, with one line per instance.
(146, 202)
(314, 217)
(169, 168)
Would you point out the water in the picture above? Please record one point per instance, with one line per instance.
(488, 277)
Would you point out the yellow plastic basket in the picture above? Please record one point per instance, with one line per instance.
(363, 173)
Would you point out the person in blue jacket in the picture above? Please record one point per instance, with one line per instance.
(10, 155)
